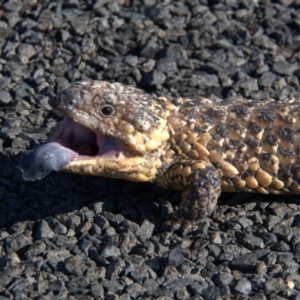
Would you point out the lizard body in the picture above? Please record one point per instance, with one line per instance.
(198, 146)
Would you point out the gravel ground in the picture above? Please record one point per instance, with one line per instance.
(75, 237)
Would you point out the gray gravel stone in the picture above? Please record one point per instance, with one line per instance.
(73, 266)
(284, 68)
(113, 286)
(26, 52)
(267, 79)
(12, 6)
(211, 293)
(35, 249)
(113, 219)
(209, 270)
(214, 250)
(5, 97)
(275, 285)
(166, 65)
(77, 285)
(246, 262)
(243, 286)
(145, 231)
(175, 257)
(224, 278)
(110, 251)
(97, 290)
(131, 60)
(150, 49)
(155, 78)
(135, 290)
(43, 231)
(252, 242)
(56, 226)
(17, 241)
(140, 274)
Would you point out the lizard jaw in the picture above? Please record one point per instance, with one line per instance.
(87, 143)
(74, 143)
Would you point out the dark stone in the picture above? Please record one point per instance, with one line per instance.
(35, 249)
(280, 246)
(150, 49)
(269, 238)
(101, 221)
(135, 290)
(61, 240)
(26, 52)
(140, 274)
(284, 68)
(155, 78)
(276, 285)
(110, 251)
(43, 231)
(74, 266)
(17, 241)
(209, 270)
(267, 79)
(166, 65)
(175, 257)
(224, 278)
(94, 273)
(226, 256)
(76, 285)
(97, 290)
(114, 220)
(211, 293)
(131, 60)
(252, 242)
(114, 286)
(214, 250)
(246, 262)
(12, 6)
(145, 231)
(5, 97)
(56, 226)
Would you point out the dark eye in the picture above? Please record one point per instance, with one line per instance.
(107, 110)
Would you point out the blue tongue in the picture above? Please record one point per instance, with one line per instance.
(37, 163)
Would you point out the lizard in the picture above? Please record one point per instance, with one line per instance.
(199, 146)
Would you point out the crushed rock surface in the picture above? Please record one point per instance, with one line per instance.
(76, 237)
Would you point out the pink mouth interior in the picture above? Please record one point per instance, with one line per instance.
(74, 142)
(85, 142)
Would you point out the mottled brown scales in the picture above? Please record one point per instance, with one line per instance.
(196, 146)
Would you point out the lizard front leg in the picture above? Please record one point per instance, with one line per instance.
(201, 185)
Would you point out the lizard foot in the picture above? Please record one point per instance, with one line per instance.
(199, 198)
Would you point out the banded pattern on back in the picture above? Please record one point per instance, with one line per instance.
(255, 145)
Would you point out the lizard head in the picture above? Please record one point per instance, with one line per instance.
(109, 129)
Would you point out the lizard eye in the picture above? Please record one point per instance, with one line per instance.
(107, 111)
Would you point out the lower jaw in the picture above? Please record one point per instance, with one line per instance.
(132, 168)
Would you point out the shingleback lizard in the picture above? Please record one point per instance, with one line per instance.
(198, 146)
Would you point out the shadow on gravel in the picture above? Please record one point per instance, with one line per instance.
(61, 193)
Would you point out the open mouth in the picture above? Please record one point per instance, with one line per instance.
(87, 143)
(74, 142)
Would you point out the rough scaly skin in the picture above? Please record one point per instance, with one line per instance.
(198, 146)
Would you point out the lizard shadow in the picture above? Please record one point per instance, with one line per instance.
(62, 193)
